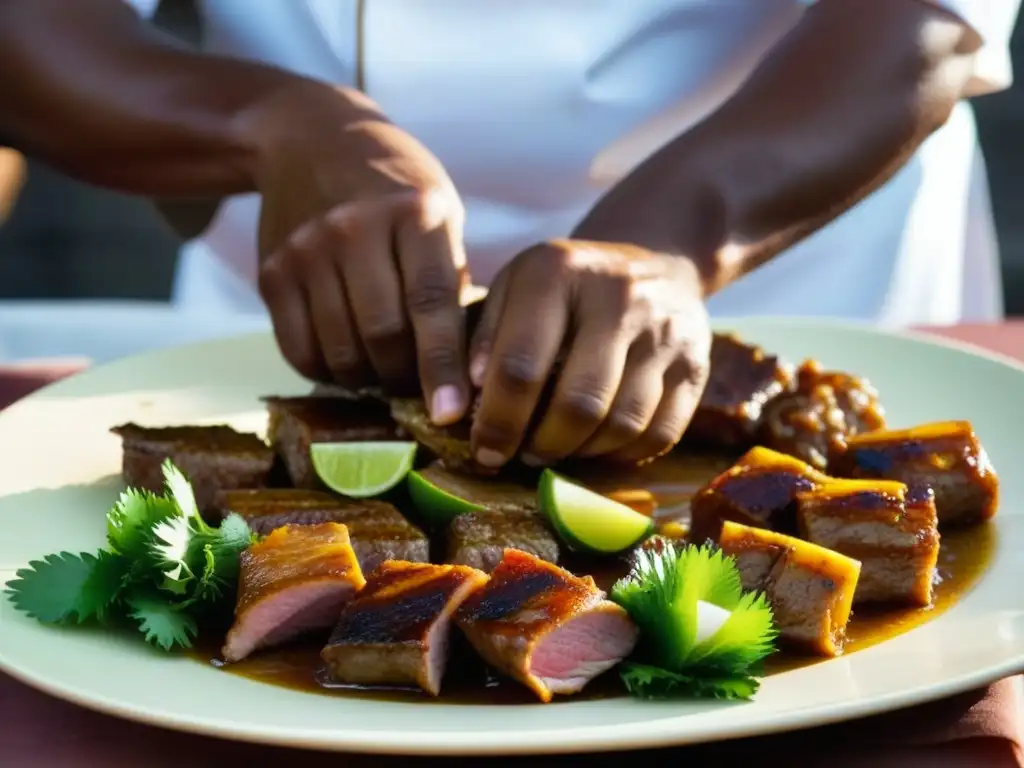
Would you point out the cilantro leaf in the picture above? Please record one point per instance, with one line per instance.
(649, 682)
(164, 625)
(132, 518)
(65, 587)
(180, 490)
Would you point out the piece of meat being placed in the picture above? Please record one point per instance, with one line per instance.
(742, 378)
(378, 530)
(212, 458)
(396, 631)
(548, 629)
(813, 421)
(759, 490)
(810, 588)
(295, 423)
(294, 581)
(891, 529)
(480, 539)
(449, 444)
(945, 456)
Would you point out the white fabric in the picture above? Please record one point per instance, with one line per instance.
(536, 107)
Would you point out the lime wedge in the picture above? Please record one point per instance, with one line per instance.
(360, 470)
(587, 520)
(435, 504)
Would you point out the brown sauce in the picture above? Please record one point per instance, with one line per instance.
(963, 557)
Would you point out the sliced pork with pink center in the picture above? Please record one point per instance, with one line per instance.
(294, 581)
(541, 625)
(396, 632)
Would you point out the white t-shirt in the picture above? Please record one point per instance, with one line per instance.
(536, 107)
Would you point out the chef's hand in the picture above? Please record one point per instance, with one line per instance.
(632, 333)
(361, 252)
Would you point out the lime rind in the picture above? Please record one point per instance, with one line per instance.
(588, 521)
(363, 469)
(437, 505)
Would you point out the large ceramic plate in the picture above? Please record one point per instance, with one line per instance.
(59, 474)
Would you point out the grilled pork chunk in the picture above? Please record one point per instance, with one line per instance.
(297, 422)
(759, 490)
(813, 422)
(810, 588)
(213, 458)
(296, 580)
(890, 529)
(378, 531)
(480, 539)
(945, 456)
(541, 625)
(743, 377)
(396, 631)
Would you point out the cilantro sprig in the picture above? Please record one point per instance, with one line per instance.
(162, 570)
(701, 635)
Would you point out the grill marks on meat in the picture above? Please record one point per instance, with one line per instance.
(946, 457)
(813, 422)
(543, 626)
(294, 581)
(809, 588)
(378, 530)
(742, 378)
(890, 529)
(758, 490)
(212, 458)
(297, 422)
(397, 631)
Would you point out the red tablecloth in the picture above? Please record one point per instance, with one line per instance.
(980, 728)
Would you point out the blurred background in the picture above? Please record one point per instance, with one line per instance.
(96, 244)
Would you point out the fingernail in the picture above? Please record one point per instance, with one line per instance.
(478, 369)
(489, 458)
(532, 461)
(446, 405)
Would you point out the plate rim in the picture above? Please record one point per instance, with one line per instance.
(576, 740)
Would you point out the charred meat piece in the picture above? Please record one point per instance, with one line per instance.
(809, 588)
(945, 456)
(813, 422)
(213, 458)
(294, 581)
(480, 539)
(396, 631)
(890, 529)
(759, 490)
(743, 377)
(450, 444)
(297, 422)
(541, 625)
(377, 529)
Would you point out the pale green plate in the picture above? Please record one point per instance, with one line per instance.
(60, 472)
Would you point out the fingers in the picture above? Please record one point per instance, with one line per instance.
(682, 390)
(431, 260)
(361, 236)
(635, 403)
(530, 330)
(584, 394)
(485, 328)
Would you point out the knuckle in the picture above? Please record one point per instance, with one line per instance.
(435, 289)
(520, 371)
(628, 420)
(383, 329)
(584, 405)
(441, 360)
(495, 433)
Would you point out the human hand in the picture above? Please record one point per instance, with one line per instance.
(631, 333)
(361, 250)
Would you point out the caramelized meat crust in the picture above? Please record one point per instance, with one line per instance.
(946, 457)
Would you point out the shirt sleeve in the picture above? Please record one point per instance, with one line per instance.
(994, 21)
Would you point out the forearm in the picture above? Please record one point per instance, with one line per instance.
(91, 89)
(830, 115)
